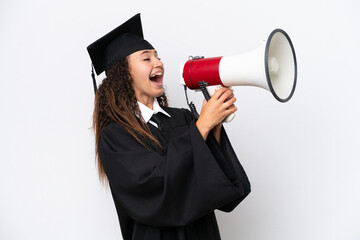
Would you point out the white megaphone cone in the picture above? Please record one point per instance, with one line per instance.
(272, 67)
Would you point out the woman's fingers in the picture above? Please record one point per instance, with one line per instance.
(232, 106)
(231, 96)
(219, 92)
(225, 101)
(231, 109)
(217, 108)
(230, 102)
(226, 95)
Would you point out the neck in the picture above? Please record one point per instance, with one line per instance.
(149, 102)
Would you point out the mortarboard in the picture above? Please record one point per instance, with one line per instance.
(119, 43)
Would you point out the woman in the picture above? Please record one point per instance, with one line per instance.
(167, 172)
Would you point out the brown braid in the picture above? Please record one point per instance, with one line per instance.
(115, 101)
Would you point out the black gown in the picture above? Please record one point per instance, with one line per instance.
(171, 193)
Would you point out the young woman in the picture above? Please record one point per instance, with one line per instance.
(167, 171)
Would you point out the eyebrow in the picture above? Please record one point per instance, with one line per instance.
(147, 51)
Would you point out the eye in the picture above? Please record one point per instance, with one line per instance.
(147, 59)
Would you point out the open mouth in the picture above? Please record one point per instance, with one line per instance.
(156, 79)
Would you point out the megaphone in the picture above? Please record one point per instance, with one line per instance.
(271, 66)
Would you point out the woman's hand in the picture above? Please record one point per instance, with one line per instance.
(213, 112)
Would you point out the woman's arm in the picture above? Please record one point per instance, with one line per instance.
(217, 133)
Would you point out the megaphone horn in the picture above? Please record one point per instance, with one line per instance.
(272, 67)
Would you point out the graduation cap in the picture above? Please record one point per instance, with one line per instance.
(117, 44)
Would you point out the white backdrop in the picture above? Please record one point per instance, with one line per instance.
(302, 157)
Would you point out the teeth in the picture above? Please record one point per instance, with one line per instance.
(157, 74)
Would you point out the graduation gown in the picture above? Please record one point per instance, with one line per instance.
(171, 193)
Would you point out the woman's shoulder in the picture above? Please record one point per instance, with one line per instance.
(116, 138)
(111, 127)
(114, 131)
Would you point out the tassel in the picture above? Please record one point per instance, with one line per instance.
(93, 77)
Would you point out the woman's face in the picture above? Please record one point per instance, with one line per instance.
(147, 72)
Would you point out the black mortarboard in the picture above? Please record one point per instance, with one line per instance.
(119, 43)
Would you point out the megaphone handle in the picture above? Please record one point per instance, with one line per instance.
(229, 118)
(205, 92)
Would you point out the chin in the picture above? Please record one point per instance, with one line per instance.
(158, 95)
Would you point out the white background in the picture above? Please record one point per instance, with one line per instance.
(302, 157)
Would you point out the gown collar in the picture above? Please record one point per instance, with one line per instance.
(148, 112)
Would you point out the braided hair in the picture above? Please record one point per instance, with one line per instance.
(115, 101)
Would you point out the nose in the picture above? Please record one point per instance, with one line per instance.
(158, 63)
